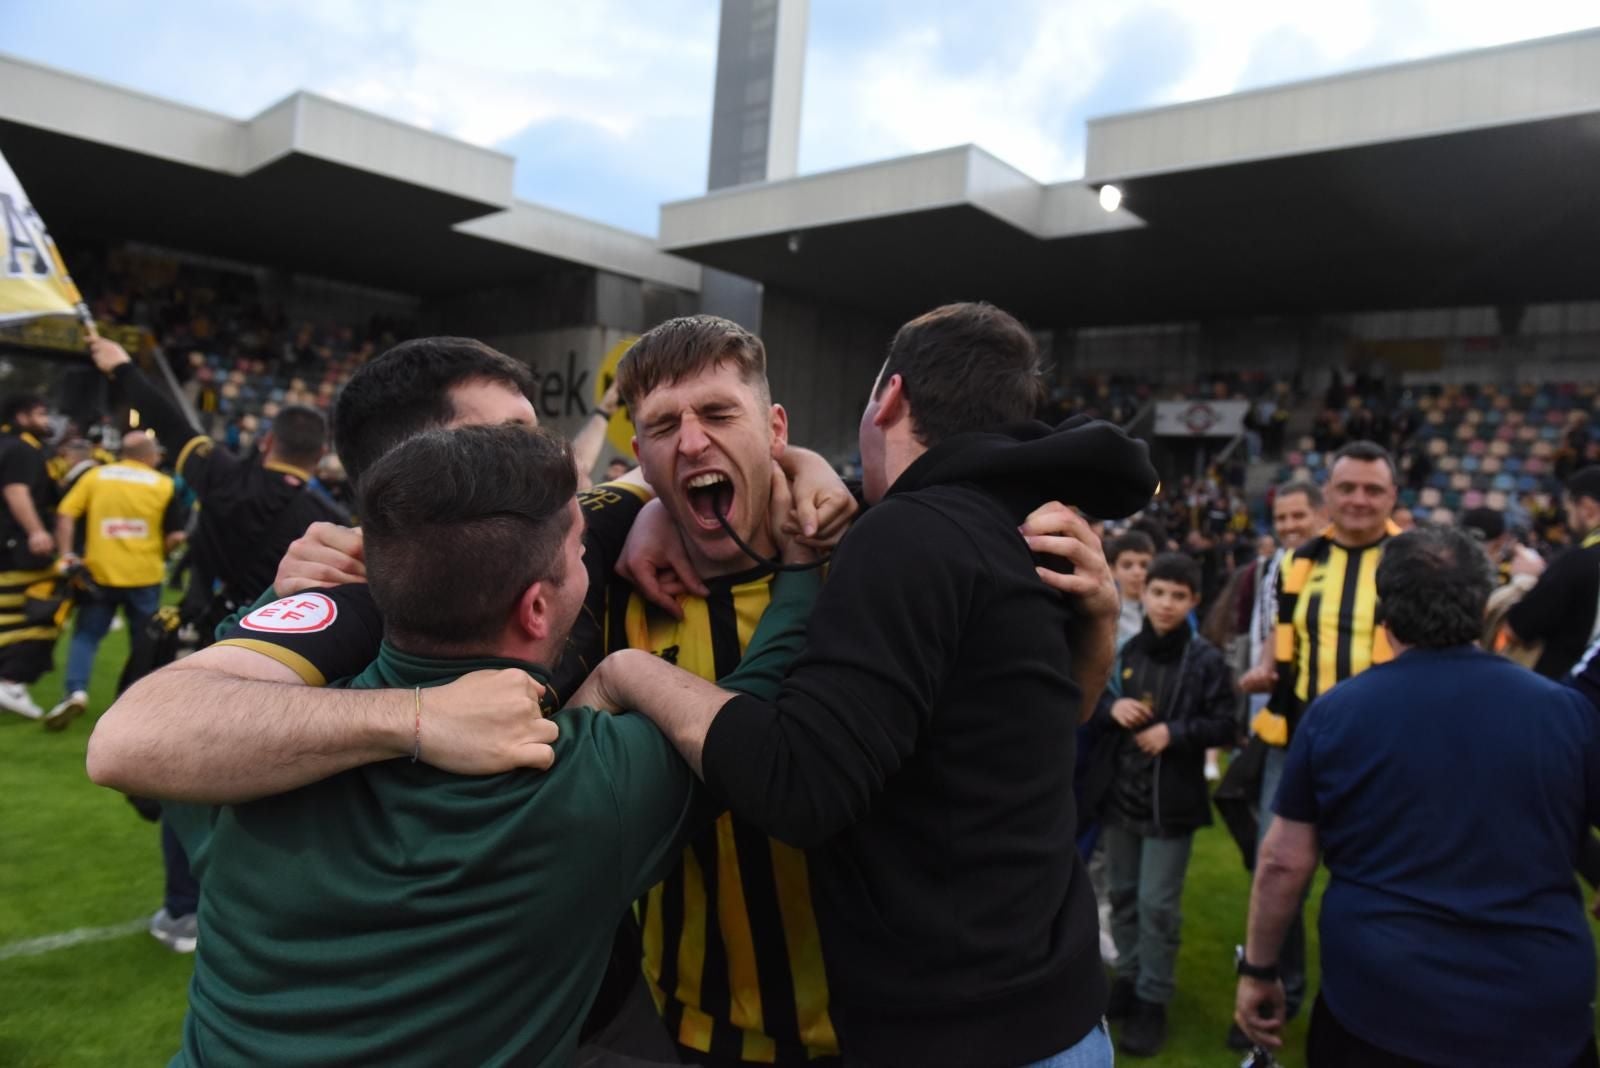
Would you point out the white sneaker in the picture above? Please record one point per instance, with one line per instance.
(59, 717)
(14, 697)
(180, 935)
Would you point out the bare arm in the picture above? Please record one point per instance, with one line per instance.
(588, 441)
(20, 501)
(229, 725)
(64, 525)
(681, 705)
(1284, 866)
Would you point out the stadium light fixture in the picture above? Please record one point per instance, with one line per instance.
(1110, 197)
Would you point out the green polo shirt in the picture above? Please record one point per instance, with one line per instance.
(397, 914)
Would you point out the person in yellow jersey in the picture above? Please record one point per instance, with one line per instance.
(132, 518)
(1328, 631)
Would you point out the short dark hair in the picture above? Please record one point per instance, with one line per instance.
(17, 403)
(686, 346)
(1311, 491)
(1367, 452)
(965, 367)
(1585, 483)
(1132, 541)
(1433, 584)
(458, 524)
(407, 390)
(1177, 568)
(299, 435)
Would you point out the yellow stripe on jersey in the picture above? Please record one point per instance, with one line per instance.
(1364, 654)
(731, 951)
(290, 659)
(1328, 595)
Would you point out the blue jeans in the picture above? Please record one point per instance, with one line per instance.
(1292, 957)
(139, 603)
(1145, 884)
(183, 890)
(1094, 1051)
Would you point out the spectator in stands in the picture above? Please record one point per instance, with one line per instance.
(132, 520)
(1563, 609)
(617, 468)
(1172, 700)
(1404, 519)
(1456, 941)
(1129, 556)
(27, 647)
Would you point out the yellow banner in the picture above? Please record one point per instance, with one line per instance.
(33, 279)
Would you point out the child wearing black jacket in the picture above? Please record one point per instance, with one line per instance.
(1172, 699)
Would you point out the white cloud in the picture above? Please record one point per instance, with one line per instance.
(904, 94)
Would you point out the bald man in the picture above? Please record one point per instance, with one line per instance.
(132, 519)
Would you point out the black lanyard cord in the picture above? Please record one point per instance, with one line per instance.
(771, 565)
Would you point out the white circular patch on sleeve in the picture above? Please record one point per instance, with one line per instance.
(305, 613)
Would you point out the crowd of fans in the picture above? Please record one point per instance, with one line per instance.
(1220, 595)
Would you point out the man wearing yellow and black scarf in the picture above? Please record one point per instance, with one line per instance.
(1328, 631)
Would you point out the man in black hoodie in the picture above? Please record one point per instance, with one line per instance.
(921, 748)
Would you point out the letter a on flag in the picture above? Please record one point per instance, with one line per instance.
(34, 283)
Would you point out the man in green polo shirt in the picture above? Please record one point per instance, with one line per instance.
(399, 914)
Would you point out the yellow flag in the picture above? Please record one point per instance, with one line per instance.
(34, 283)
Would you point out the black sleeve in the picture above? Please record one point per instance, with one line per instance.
(20, 465)
(177, 515)
(885, 630)
(323, 635)
(1543, 609)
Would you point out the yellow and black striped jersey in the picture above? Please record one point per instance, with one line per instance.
(1328, 628)
(731, 950)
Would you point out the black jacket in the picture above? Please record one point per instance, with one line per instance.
(921, 750)
(1199, 715)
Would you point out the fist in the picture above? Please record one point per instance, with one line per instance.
(1130, 714)
(41, 543)
(107, 354)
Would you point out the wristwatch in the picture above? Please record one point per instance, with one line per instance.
(1267, 973)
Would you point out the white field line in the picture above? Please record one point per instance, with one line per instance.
(33, 947)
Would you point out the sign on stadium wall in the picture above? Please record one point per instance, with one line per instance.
(1200, 419)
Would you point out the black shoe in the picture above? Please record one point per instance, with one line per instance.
(1120, 1003)
(1146, 1030)
(1238, 1040)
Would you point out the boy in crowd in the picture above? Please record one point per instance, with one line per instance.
(1173, 699)
(1129, 555)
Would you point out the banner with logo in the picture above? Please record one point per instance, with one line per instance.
(34, 283)
(1201, 419)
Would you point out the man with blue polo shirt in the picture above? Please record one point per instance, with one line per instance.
(1448, 791)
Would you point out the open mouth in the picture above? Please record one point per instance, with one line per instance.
(710, 495)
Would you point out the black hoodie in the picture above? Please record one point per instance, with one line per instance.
(921, 749)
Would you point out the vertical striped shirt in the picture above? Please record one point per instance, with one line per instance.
(1328, 628)
(731, 950)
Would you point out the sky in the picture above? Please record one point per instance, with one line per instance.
(606, 104)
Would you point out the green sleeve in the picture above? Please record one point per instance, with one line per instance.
(779, 637)
(659, 801)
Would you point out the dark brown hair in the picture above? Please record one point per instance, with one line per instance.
(458, 523)
(686, 346)
(965, 367)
